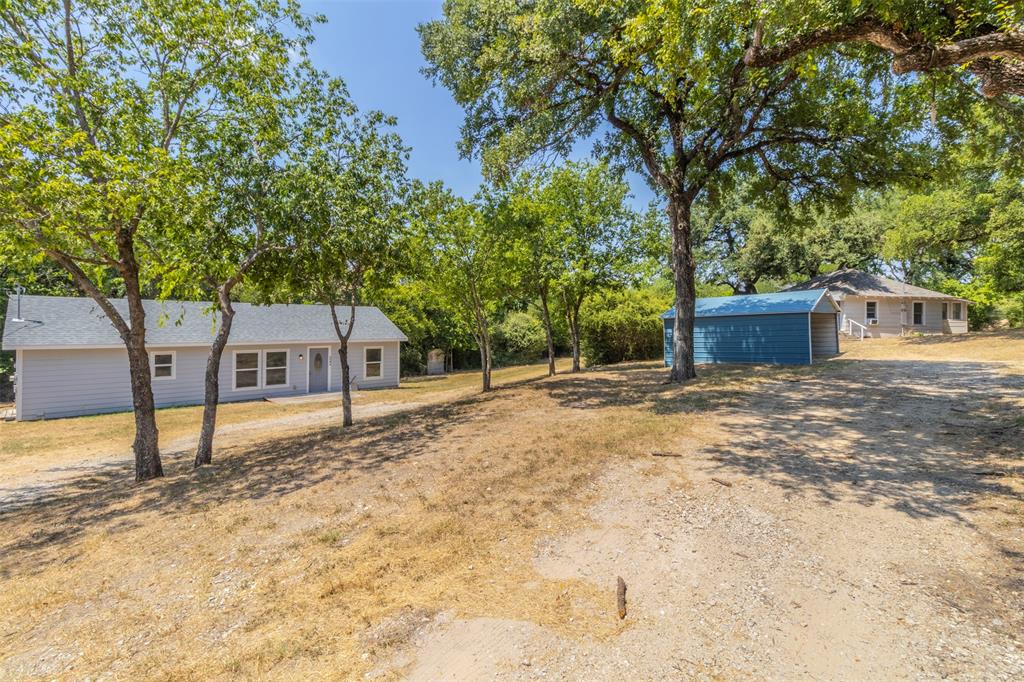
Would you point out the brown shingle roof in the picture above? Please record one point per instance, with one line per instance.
(850, 282)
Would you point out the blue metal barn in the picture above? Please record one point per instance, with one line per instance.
(786, 328)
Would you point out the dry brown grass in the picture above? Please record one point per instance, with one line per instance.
(994, 346)
(280, 559)
(82, 437)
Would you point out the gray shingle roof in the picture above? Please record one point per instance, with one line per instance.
(65, 321)
(850, 282)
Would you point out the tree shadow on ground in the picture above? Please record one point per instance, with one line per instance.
(928, 439)
(267, 469)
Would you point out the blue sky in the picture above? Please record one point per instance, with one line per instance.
(374, 47)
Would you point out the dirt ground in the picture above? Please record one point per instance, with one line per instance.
(860, 519)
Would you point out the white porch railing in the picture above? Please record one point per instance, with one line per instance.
(848, 325)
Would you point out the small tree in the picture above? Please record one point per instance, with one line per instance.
(468, 266)
(573, 234)
(96, 97)
(595, 236)
(348, 200)
(233, 219)
(523, 219)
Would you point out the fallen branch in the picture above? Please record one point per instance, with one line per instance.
(620, 597)
(989, 473)
(720, 481)
(665, 454)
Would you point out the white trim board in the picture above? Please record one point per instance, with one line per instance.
(152, 364)
(234, 369)
(380, 372)
(924, 313)
(264, 368)
(19, 386)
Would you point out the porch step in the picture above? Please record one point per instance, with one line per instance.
(9, 414)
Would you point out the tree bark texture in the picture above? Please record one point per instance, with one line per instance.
(547, 330)
(346, 372)
(204, 451)
(683, 277)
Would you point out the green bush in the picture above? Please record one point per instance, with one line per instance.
(984, 309)
(519, 338)
(1013, 310)
(616, 326)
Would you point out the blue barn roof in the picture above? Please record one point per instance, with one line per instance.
(781, 303)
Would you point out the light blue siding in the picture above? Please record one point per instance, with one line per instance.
(64, 383)
(775, 339)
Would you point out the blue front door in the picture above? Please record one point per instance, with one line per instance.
(318, 362)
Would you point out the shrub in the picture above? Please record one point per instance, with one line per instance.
(983, 310)
(519, 338)
(616, 326)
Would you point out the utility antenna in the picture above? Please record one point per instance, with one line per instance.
(18, 290)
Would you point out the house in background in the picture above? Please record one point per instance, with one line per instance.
(69, 359)
(877, 306)
(788, 328)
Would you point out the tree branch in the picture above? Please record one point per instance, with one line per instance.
(994, 57)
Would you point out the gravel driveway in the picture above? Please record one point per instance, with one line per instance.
(863, 522)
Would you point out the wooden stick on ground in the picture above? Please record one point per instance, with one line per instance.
(665, 454)
(620, 595)
(721, 481)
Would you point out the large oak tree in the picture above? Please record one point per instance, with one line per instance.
(663, 86)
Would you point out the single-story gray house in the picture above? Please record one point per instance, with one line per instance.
(878, 306)
(786, 328)
(69, 359)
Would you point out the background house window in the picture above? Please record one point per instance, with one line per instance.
(958, 311)
(871, 310)
(247, 369)
(275, 368)
(373, 363)
(945, 311)
(918, 312)
(163, 365)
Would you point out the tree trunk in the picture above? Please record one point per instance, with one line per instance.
(147, 437)
(133, 334)
(485, 358)
(204, 451)
(346, 374)
(346, 384)
(572, 316)
(146, 445)
(683, 277)
(547, 330)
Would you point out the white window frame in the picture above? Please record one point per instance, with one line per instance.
(234, 370)
(152, 364)
(366, 363)
(945, 311)
(867, 318)
(924, 314)
(287, 368)
(958, 308)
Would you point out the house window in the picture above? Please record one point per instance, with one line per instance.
(871, 310)
(275, 368)
(918, 312)
(372, 364)
(945, 311)
(163, 365)
(247, 370)
(958, 311)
